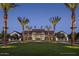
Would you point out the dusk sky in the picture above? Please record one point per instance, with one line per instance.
(38, 15)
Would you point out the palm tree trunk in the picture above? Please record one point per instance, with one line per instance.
(23, 33)
(28, 35)
(54, 29)
(73, 27)
(54, 34)
(48, 36)
(5, 28)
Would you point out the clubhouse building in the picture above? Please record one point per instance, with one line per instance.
(40, 35)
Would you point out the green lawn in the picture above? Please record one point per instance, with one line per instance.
(40, 49)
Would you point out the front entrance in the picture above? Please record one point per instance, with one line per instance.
(38, 37)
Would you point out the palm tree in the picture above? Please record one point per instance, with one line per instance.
(6, 7)
(23, 22)
(54, 21)
(48, 29)
(72, 7)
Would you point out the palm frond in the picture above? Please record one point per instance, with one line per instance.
(7, 6)
(19, 19)
(23, 21)
(55, 20)
(71, 6)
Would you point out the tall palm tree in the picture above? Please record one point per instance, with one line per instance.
(23, 22)
(72, 7)
(48, 29)
(6, 7)
(54, 21)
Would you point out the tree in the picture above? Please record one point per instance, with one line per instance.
(72, 7)
(48, 29)
(54, 21)
(23, 22)
(6, 7)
